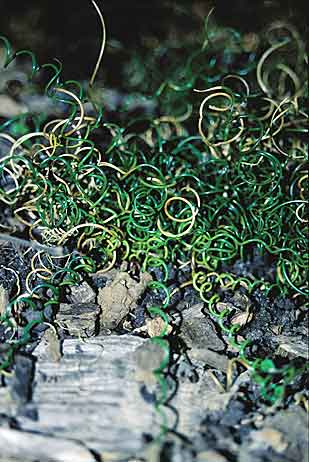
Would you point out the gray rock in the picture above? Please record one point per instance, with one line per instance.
(148, 357)
(21, 382)
(293, 345)
(283, 437)
(198, 331)
(9, 108)
(79, 319)
(82, 293)
(194, 400)
(204, 357)
(26, 447)
(49, 347)
(92, 396)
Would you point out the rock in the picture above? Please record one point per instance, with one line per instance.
(185, 370)
(27, 447)
(82, 293)
(194, 400)
(21, 382)
(216, 401)
(173, 449)
(240, 300)
(5, 421)
(92, 395)
(205, 357)
(148, 357)
(284, 434)
(154, 327)
(135, 460)
(240, 305)
(198, 331)
(79, 319)
(210, 456)
(9, 108)
(120, 296)
(293, 423)
(234, 413)
(241, 318)
(293, 345)
(268, 438)
(49, 347)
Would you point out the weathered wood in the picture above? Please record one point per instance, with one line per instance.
(192, 400)
(95, 394)
(92, 395)
(16, 446)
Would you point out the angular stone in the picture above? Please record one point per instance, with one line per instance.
(49, 347)
(92, 396)
(120, 296)
(79, 319)
(205, 357)
(198, 331)
(82, 293)
(21, 383)
(293, 345)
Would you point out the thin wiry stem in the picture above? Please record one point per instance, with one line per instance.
(96, 68)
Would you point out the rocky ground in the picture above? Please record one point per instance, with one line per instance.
(85, 391)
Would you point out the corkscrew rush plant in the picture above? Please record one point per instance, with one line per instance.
(166, 196)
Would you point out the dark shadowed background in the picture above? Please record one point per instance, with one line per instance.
(69, 29)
